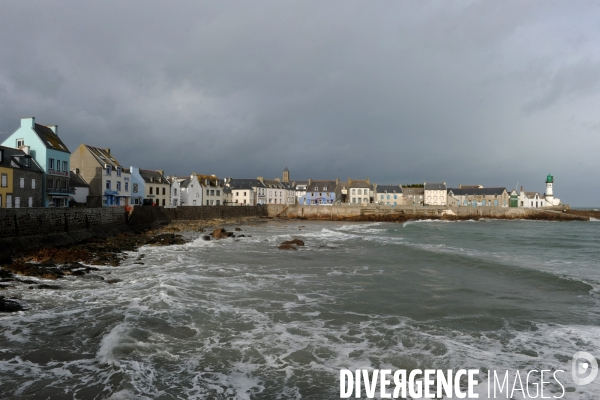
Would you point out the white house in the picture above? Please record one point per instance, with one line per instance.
(191, 190)
(435, 194)
(212, 189)
(245, 192)
(175, 200)
(359, 191)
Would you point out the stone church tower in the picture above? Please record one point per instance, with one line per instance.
(286, 175)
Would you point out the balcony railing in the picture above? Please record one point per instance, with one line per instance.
(60, 191)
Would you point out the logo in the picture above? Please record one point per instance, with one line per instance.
(584, 368)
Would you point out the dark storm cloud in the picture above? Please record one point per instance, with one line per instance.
(470, 92)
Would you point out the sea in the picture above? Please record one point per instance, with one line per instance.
(241, 319)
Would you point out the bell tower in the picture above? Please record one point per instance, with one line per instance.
(286, 175)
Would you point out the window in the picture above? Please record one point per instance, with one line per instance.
(197, 194)
(108, 185)
(31, 202)
(163, 202)
(218, 202)
(65, 168)
(207, 191)
(17, 202)
(4, 180)
(118, 171)
(325, 188)
(0, 201)
(108, 169)
(8, 201)
(118, 185)
(157, 191)
(22, 183)
(135, 188)
(64, 184)
(150, 188)
(51, 163)
(20, 142)
(164, 193)
(212, 192)
(316, 188)
(206, 202)
(174, 192)
(127, 186)
(33, 183)
(194, 203)
(218, 193)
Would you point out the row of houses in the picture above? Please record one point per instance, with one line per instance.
(38, 170)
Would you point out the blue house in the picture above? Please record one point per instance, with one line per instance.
(320, 193)
(138, 186)
(47, 149)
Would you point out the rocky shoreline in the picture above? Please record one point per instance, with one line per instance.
(55, 263)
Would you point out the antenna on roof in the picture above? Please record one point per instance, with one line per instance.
(516, 186)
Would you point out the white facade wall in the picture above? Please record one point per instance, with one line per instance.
(192, 195)
(359, 195)
(435, 197)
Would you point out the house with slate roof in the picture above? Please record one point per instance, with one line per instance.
(390, 195)
(81, 189)
(478, 197)
(157, 188)
(360, 191)
(20, 180)
(191, 190)
(434, 194)
(50, 153)
(245, 192)
(109, 181)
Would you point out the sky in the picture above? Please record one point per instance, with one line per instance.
(498, 93)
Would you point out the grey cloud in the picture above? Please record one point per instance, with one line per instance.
(396, 91)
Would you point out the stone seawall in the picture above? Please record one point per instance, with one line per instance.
(214, 212)
(27, 228)
(386, 213)
(24, 228)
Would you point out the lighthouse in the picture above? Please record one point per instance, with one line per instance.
(549, 193)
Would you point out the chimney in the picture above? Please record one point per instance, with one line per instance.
(261, 179)
(368, 181)
(28, 122)
(107, 150)
(76, 171)
(25, 149)
(337, 181)
(54, 129)
(521, 188)
(309, 181)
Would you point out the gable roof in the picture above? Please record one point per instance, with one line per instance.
(359, 184)
(389, 189)
(435, 186)
(413, 190)
(50, 139)
(15, 158)
(103, 156)
(75, 180)
(316, 186)
(477, 191)
(150, 176)
(247, 184)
